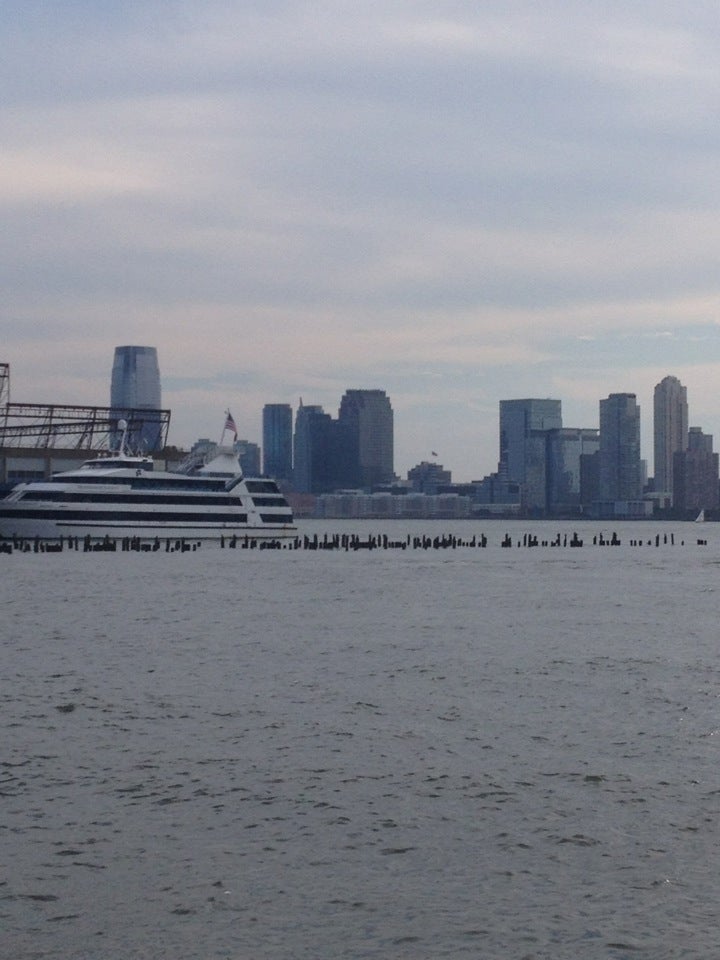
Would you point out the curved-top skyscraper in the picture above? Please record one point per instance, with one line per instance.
(670, 426)
(135, 385)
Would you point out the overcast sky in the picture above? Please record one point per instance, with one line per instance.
(457, 202)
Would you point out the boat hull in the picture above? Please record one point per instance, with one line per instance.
(55, 528)
(124, 497)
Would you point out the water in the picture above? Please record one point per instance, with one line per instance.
(471, 753)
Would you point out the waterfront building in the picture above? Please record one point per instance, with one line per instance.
(311, 445)
(494, 494)
(566, 450)
(589, 478)
(135, 386)
(320, 460)
(695, 474)
(620, 464)
(248, 454)
(357, 504)
(427, 476)
(277, 440)
(366, 437)
(670, 428)
(524, 427)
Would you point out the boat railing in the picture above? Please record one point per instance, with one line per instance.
(191, 462)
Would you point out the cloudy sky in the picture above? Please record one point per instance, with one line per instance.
(457, 202)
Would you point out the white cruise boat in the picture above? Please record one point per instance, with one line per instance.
(120, 495)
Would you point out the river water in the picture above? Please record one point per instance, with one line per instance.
(499, 753)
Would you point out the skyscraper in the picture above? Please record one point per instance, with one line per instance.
(670, 423)
(277, 440)
(524, 429)
(311, 454)
(135, 386)
(695, 474)
(365, 422)
(620, 464)
(567, 449)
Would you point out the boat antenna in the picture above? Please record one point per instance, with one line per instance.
(123, 426)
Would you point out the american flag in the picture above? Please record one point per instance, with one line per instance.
(230, 424)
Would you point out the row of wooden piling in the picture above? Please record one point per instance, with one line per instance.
(346, 542)
(349, 542)
(89, 544)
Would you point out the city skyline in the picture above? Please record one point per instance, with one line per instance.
(454, 205)
(542, 414)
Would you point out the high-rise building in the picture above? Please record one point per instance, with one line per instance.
(670, 423)
(135, 394)
(620, 464)
(695, 474)
(248, 454)
(311, 450)
(277, 440)
(365, 420)
(524, 427)
(566, 450)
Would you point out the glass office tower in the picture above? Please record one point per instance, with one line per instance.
(365, 420)
(277, 440)
(524, 430)
(670, 427)
(135, 394)
(620, 465)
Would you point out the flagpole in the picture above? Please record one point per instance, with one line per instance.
(228, 425)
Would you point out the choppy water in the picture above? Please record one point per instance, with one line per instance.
(489, 753)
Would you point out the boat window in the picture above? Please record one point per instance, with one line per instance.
(179, 482)
(117, 463)
(155, 518)
(261, 486)
(122, 497)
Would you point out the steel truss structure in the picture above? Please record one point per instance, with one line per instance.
(62, 426)
(73, 427)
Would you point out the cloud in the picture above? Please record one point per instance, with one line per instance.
(457, 204)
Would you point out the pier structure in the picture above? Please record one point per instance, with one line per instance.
(338, 542)
(38, 439)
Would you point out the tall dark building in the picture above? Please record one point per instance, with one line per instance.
(277, 440)
(670, 429)
(524, 428)
(695, 474)
(249, 457)
(313, 453)
(135, 386)
(365, 423)
(567, 451)
(620, 464)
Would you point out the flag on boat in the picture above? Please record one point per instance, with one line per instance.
(230, 424)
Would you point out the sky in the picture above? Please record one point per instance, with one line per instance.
(458, 202)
